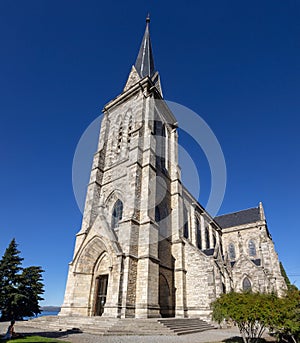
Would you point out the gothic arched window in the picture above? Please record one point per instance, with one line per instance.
(160, 132)
(157, 214)
(130, 128)
(185, 223)
(207, 238)
(231, 251)
(252, 248)
(164, 146)
(117, 214)
(246, 284)
(215, 240)
(157, 127)
(120, 137)
(198, 233)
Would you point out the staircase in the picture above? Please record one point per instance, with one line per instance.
(119, 327)
(138, 327)
(94, 325)
(186, 325)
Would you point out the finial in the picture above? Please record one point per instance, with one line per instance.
(148, 18)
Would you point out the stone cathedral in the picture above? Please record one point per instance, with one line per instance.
(146, 247)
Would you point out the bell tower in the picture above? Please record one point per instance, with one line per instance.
(123, 250)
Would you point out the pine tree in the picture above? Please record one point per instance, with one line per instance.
(31, 287)
(20, 289)
(10, 267)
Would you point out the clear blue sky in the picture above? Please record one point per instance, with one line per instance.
(237, 63)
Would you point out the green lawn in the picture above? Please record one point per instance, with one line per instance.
(33, 339)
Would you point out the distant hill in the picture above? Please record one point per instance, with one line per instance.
(50, 308)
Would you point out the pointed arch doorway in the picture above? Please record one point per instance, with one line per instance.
(101, 293)
(166, 298)
(101, 284)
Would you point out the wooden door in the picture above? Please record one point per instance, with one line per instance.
(102, 282)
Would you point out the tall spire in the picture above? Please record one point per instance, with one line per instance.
(144, 63)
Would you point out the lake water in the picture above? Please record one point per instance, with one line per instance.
(48, 313)
(44, 313)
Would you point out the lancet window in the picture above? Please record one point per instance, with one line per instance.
(120, 137)
(117, 214)
(246, 284)
(207, 238)
(130, 129)
(252, 248)
(157, 214)
(231, 251)
(198, 234)
(185, 223)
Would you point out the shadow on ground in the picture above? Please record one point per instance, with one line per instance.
(237, 339)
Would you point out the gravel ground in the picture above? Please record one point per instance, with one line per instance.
(217, 335)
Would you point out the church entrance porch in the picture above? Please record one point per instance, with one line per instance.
(101, 293)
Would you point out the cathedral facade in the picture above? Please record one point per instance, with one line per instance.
(146, 247)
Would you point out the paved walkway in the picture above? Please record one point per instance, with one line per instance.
(216, 335)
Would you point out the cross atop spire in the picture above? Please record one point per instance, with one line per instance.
(144, 63)
(148, 18)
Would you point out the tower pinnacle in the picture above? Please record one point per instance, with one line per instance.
(144, 63)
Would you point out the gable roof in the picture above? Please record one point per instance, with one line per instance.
(248, 216)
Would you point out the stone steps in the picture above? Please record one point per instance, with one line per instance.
(140, 327)
(120, 327)
(186, 325)
(95, 325)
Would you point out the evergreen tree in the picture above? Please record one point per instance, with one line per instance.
(20, 289)
(31, 287)
(10, 266)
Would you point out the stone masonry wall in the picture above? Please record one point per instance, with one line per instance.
(200, 282)
(259, 264)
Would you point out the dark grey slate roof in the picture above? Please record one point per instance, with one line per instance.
(251, 215)
(144, 63)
